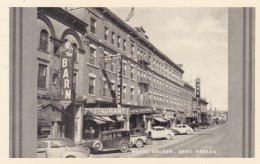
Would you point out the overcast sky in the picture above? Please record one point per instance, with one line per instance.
(194, 37)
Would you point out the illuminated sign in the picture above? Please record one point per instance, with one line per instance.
(198, 94)
(66, 72)
(106, 111)
(119, 82)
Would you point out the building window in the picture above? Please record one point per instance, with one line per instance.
(118, 41)
(42, 76)
(92, 59)
(124, 93)
(132, 94)
(44, 40)
(124, 45)
(132, 72)
(150, 98)
(106, 34)
(132, 50)
(113, 38)
(93, 25)
(124, 69)
(112, 67)
(105, 88)
(75, 52)
(91, 89)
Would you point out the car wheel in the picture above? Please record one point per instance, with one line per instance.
(188, 132)
(97, 145)
(124, 147)
(149, 141)
(139, 143)
(168, 136)
(70, 156)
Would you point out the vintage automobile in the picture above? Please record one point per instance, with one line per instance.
(204, 125)
(161, 132)
(139, 137)
(182, 129)
(110, 140)
(60, 148)
(194, 126)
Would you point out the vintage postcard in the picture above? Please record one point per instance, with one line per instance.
(136, 81)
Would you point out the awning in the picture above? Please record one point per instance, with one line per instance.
(120, 119)
(160, 119)
(98, 120)
(107, 119)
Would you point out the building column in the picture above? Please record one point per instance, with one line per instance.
(78, 124)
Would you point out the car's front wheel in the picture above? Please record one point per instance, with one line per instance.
(188, 132)
(139, 143)
(124, 147)
(149, 141)
(168, 136)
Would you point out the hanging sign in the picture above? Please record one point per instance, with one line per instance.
(66, 73)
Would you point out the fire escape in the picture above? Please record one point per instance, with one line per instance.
(143, 81)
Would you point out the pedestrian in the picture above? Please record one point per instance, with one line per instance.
(92, 132)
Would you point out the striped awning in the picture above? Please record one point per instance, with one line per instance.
(107, 119)
(120, 119)
(98, 120)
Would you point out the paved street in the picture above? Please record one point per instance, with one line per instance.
(206, 143)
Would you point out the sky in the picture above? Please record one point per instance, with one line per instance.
(194, 37)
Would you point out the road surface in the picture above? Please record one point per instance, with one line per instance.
(205, 143)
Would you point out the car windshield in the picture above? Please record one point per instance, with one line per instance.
(69, 143)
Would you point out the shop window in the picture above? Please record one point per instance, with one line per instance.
(42, 76)
(92, 59)
(93, 25)
(44, 40)
(91, 85)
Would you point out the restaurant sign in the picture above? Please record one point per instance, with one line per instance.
(106, 111)
(141, 111)
(198, 94)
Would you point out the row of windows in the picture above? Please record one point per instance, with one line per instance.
(140, 54)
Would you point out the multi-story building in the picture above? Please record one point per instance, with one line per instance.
(150, 88)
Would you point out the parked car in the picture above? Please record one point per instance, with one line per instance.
(110, 140)
(161, 132)
(139, 137)
(182, 129)
(194, 126)
(204, 125)
(60, 148)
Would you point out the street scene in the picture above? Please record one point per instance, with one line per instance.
(205, 143)
(104, 90)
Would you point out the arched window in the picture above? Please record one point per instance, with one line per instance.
(44, 40)
(75, 52)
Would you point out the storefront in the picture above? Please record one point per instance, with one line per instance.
(139, 118)
(51, 120)
(171, 116)
(96, 120)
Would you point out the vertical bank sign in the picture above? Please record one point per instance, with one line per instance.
(66, 72)
(198, 93)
